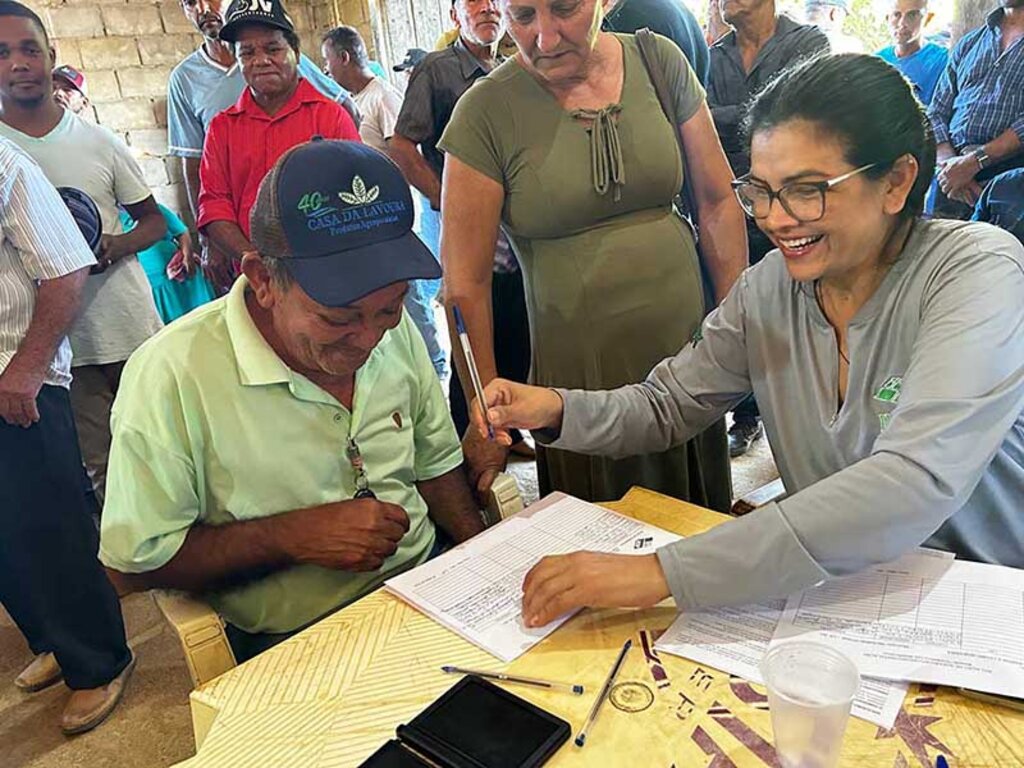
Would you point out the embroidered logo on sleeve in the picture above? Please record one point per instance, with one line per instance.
(890, 390)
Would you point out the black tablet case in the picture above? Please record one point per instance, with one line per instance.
(475, 724)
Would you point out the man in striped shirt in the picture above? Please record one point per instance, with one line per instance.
(50, 580)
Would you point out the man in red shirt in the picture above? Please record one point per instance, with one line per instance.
(278, 110)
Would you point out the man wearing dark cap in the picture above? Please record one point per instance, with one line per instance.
(413, 56)
(286, 448)
(205, 83)
(278, 110)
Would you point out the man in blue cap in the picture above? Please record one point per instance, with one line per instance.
(285, 449)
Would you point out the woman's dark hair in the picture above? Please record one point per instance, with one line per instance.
(865, 102)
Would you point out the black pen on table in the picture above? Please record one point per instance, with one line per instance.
(502, 677)
(474, 372)
(582, 738)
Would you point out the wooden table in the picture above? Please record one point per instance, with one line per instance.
(331, 695)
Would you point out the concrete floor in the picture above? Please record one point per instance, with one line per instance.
(152, 727)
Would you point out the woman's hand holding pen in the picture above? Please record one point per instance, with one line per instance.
(511, 405)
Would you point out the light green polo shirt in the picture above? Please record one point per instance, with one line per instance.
(211, 426)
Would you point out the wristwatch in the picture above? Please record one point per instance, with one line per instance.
(981, 156)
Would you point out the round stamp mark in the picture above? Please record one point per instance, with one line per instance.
(631, 697)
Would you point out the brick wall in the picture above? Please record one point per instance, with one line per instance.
(127, 48)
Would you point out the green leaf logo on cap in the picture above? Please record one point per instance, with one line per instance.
(360, 195)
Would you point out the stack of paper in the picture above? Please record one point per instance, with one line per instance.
(942, 622)
(735, 640)
(476, 590)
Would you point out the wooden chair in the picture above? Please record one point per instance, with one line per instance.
(200, 629)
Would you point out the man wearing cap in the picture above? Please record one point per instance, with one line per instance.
(205, 83)
(286, 448)
(50, 581)
(413, 57)
(70, 91)
(118, 312)
(278, 110)
(830, 16)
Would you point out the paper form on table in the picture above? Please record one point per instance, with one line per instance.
(735, 640)
(947, 623)
(476, 589)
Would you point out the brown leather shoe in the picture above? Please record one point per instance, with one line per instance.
(88, 708)
(43, 672)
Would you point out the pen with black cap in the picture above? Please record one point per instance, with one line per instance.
(596, 709)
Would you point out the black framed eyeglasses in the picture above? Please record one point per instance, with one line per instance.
(803, 200)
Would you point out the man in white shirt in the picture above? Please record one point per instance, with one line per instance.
(379, 102)
(50, 580)
(118, 312)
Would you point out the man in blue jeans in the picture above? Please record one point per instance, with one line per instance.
(1002, 203)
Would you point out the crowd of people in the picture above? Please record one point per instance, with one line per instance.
(643, 232)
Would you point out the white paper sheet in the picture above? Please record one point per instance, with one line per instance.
(947, 623)
(736, 639)
(476, 589)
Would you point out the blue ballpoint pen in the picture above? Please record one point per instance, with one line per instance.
(940, 762)
(474, 374)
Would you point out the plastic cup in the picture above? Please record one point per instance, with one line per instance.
(810, 690)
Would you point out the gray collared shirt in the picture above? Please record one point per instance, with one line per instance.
(437, 83)
(927, 448)
(730, 86)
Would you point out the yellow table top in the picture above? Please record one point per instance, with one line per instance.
(328, 697)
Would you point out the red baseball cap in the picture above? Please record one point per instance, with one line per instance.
(73, 76)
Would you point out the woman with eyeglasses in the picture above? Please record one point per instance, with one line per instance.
(886, 351)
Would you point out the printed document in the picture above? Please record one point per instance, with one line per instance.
(735, 640)
(950, 623)
(476, 589)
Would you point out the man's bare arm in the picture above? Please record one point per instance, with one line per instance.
(451, 505)
(190, 169)
(228, 238)
(415, 168)
(150, 227)
(57, 304)
(356, 535)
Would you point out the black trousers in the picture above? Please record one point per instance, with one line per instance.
(51, 582)
(747, 411)
(511, 343)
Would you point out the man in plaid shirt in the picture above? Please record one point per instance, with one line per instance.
(977, 112)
